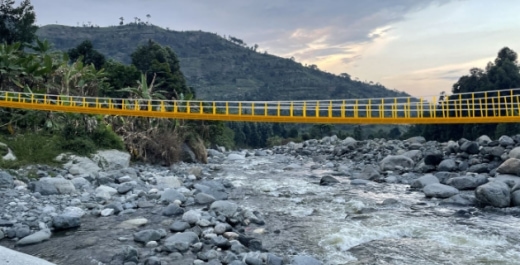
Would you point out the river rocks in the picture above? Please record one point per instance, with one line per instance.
(112, 159)
(77, 165)
(304, 260)
(171, 195)
(510, 166)
(51, 186)
(416, 139)
(168, 182)
(515, 153)
(105, 192)
(172, 210)
(146, 236)
(328, 181)
(467, 182)
(494, 193)
(483, 140)
(505, 141)
(35, 238)
(235, 157)
(424, 181)
(432, 157)
(203, 198)
(447, 165)
(470, 147)
(369, 173)
(6, 180)
(225, 208)
(438, 190)
(65, 221)
(180, 241)
(393, 162)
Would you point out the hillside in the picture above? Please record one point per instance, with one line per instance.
(217, 68)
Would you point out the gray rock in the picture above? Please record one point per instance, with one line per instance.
(235, 157)
(180, 241)
(146, 236)
(35, 238)
(220, 242)
(214, 153)
(392, 162)
(304, 260)
(483, 140)
(54, 186)
(369, 173)
(105, 192)
(22, 231)
(127, 255)
(415, 155)
(515, 198)
(470, 147)
(358, 182)
(479, 168)
(328, 181)
(81, 183)
(511, 180)
(438, 190)
(66, 221)
(225, 208)
(179, 226)
(6, 180)
(460, 200)
(497, 151)
(494, 193)
(107, 212)
(447, 165)
(203, 198)
(432, 157)
(452, 147)
(505, 140)
(443, 176)
(510, 166)
(168, 182)
(112, 159)
(467, 182)
(170, 195)
(416, 139)
(273, 260)
(515, 153)
(191, 217)
(125, 187)
(172, 210)
(424, 181)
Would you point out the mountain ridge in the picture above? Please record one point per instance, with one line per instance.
(218, 68)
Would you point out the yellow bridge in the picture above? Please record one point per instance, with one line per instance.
(482, 107)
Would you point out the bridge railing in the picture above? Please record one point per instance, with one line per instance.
(486, 104)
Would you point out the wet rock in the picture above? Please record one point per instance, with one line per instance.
(225, 208)
(447, 165)
(369, 173)
(494, 193)
(203, 198)
(148, 235)
(66, 221)
(467, 182)
(35, 238)
(328, 181)
(127, 255)
(392, 162)
(180, 241)
(510, 166)
(304, 260)
(179, 226)
(172, 210)
(438, 190)
(460, 200)
(6, 180)
(358, 182)
(424, 181)
(470, 147)
(235, 157)
(53, 186)
(515, 198)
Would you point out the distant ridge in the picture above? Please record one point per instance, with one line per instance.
(217, 68)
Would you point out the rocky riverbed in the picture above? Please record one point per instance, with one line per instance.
(328, 201)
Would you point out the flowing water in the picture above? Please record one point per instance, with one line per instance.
(347, 224)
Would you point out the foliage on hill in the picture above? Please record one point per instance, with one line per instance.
(218, 68)
(502, 74)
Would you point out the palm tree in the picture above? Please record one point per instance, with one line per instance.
(122, 21)
(148, 16)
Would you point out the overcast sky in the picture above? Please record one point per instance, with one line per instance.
(418, 46)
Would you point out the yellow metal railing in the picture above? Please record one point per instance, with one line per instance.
(478, 107)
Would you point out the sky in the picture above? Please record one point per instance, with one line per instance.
(421, 47)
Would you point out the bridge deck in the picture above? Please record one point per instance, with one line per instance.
(483, 107)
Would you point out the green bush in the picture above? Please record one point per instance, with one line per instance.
(79, 145)
(33, 148)
(104, 138)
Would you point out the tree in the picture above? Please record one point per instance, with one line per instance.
(122, 22)
(89, 55)
(17, 23)
(148, 16)
(119, 76)
(156, 60)
(358, 133)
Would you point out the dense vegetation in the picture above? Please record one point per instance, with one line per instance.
(502, 74)
(219, 68)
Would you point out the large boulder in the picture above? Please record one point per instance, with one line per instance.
(494, 193)
(424, 181)
(470, 147)
(53, 186)
(393, 162)
(438, 190)
(79, 165)
(369, 173)
(112, 159)
(432, 157)
(515, 153)
(6, 180)
(467, 182)
(510, 166)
